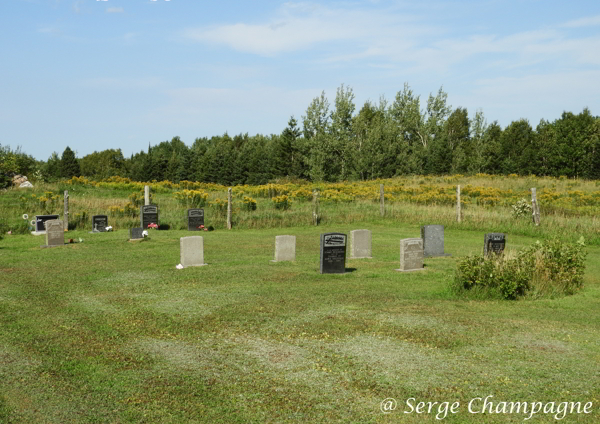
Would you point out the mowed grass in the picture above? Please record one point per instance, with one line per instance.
(109, 331)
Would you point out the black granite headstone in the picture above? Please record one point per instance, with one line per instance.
(494, 242)
(136, 233)
(333, 253)
(148, 215)
(195, 219)
(99, 223)
(41, 219)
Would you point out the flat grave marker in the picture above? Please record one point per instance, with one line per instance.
(136, 233)
(333, 253)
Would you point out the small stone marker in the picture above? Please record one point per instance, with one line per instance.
(148, 215)
(433, 241)
(360, 244)
(191, 251)
(55, 233)
(136, 233)
(411, 254)
(99, 223)
(333, 253)
(195, 219)
(494, 242)
(40, 220)
(285, 248)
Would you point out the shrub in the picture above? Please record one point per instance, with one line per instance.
(548, 269)
(282, 202)
(521, 209)
(249, 203)
(191, 198)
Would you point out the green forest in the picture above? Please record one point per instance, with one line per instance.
(335, 142)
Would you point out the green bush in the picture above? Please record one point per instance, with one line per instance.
(548, 269)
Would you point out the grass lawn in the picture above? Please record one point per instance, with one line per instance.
(109, 331)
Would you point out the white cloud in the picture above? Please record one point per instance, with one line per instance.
(114, 10)
(583, 22)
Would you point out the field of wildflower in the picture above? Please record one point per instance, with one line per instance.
(569, 208)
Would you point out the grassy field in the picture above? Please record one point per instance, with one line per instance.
(109, 331)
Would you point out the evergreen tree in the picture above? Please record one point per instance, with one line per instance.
(69, 166)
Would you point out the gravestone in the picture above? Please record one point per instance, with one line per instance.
(333, 253)
(136, 233)
(195, 219)
(99, 223)
(148, 215)
(55, 233)
(360, 244)
(191, 251)
(494, 242)
(433, 241)
(40, 220)
(285, 248)
(411, 254)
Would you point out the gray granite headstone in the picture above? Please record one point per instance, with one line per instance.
(494, 242)
(195, 219)
(411, 254)
(333, 253)
(285, 248)
(191, 251)
(55, 232)
(360, 244)
(99, 223)
(136, 233)
(40, 220)
(433, 240)
(148, 215)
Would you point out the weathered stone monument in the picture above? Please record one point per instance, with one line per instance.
(195, 219)
(411, 254)
(433, 241)
(148, 215)
(333, 253)
(494, 242)
(191, 251)
(40, 221)
(136, 233)
(285, 248)
(360, 244)
(99, 223)
(55, 233)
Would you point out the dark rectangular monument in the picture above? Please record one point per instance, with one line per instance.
(99, 223)
(494, 242)
(136, 233)
(195, 219)
(40, 220)
(433, 240)
(148, 215)
(333, 253)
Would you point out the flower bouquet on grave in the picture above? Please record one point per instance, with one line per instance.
(153, 225)
(201, 227)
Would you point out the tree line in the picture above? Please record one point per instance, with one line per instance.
(333, 142)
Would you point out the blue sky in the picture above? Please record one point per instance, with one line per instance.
(122, 74)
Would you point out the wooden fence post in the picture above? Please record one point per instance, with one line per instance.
(381, 201)
(229, 208)
(316, 207)
(535, 208)
(458, 211)
(66, 211)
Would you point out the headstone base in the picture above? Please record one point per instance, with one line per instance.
(410, 270)
(38, 233)
(437, 256)
(56, 245)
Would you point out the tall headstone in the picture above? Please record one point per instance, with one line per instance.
(40, 221)
(99, 223)
(55, 233)
(360, 244)
(411, 254)
(285, 248)
(433, 240)
(191, 251)
(148, 215)
(333, 253)
(494, 243)
(195, 219)
(136, 233)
